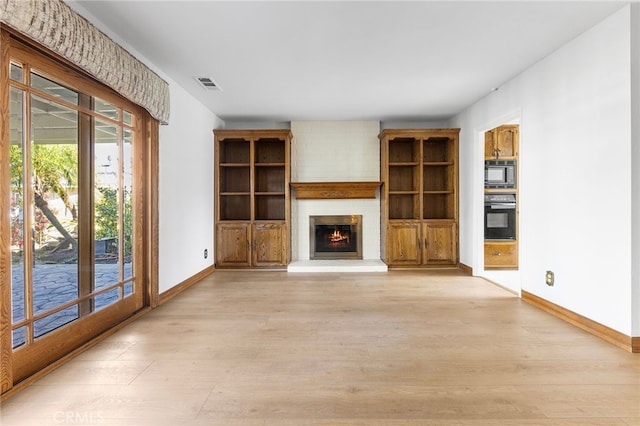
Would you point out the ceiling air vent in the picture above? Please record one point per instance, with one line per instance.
(207, 83)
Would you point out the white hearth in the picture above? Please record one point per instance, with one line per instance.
(364, 265)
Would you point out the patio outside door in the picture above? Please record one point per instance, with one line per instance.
(75, 205)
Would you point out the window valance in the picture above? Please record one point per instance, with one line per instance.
(56, 26)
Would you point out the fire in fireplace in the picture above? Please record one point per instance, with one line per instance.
(335, 237)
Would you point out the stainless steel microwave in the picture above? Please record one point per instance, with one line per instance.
(499, 174)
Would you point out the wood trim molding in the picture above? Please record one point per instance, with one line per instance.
(152, 231)
(334, 190)
(628, 343)
(179, 288)
(6, 365)
(253, 134)
(466, 269)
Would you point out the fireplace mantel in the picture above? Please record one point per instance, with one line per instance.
(334, 190)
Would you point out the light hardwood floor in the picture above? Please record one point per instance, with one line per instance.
(396, 348)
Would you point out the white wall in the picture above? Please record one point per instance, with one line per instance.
(186, 189)
(635, 146)
(575, 170)
(335, 151)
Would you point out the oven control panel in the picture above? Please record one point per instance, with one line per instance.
(499, 198)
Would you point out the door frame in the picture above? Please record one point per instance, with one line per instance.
(508, 279)
(12, 372)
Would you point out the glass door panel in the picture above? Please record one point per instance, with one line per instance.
(53, 165)
(71, 250)
(16, 203)
(106, 211)
(113, 255)
(127, 212)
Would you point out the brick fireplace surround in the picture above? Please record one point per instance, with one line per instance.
(335, 151)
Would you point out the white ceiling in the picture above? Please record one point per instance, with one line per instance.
(343, 60)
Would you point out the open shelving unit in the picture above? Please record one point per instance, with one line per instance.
(234, 180)
(419, 200)
(252, 197)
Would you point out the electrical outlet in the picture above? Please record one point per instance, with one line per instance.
(549, 278)
(206, 253)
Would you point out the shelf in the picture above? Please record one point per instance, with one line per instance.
(235, 151)
(403, 178)
(235, 179)
(270, 206)
(270, 179)
(404, 164)
(438, 163)
(403, 150)
(438, 178)
(269, 150)
(235, 207)
(437, 150)
(403, 206)
(438, 205)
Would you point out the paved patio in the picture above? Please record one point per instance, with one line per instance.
(56, 284)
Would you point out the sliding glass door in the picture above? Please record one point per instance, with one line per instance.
(76, 208)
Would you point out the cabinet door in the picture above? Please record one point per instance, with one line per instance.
(232, 244)
(506, 141)
(490, 144)
(269, 244)
(403, 243)
(440, 243)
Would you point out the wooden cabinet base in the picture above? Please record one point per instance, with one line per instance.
(412, 243)
(501, 255)
(262, 245)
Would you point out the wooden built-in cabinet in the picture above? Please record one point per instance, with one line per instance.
(253, 214)
(502, 143)
(419, 197)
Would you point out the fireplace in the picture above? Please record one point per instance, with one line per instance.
(335, 237)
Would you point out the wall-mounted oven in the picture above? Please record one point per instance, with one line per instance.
(500, 217)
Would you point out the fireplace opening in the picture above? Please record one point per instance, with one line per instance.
(335, 237)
